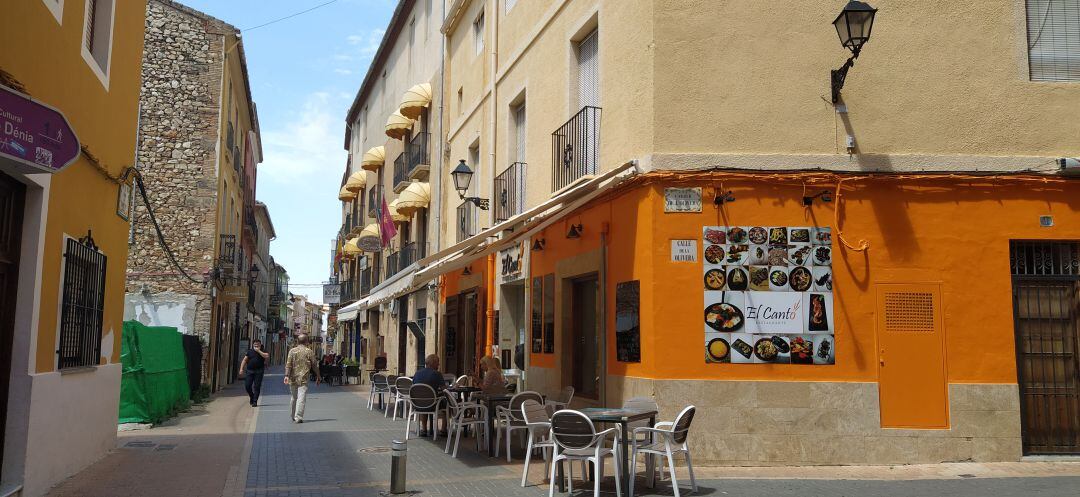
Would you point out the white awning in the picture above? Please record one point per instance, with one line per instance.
(397, 285)
(348, 313)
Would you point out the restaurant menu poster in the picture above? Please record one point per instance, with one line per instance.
(768, 295)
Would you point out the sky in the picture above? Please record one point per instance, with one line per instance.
(304, 74)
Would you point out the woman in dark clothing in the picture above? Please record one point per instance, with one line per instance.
(253, 366)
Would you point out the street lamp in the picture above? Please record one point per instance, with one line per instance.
(853, 27)
(253, 273)
(462, 177)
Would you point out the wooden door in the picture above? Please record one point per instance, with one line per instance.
(12, 194)
(912, 389)
(451, 352)
(1045, 311)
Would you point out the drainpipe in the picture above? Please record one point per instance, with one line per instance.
(494, 11)
(436, 185)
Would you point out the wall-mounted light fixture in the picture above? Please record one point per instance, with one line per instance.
(462, 177)
(853, 27)
(253, 273)
(824, 195)
(467, 271)
(723, 198)
(575, 231)
(538, 244)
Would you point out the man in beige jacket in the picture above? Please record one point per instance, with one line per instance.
(299, 365)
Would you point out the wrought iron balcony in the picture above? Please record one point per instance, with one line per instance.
(510, 192)
(374, 199)
(408, 255)
(365, 281)
(347, 290)
(393, 262)
(227, 251)
(401, 177)
(419, 157)
(575, 148)
(466, 220)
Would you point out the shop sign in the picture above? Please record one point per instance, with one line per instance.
(512, 262)
(684, 251)
(682, 199)
(34, 134)
(768, 295)
(331, 293)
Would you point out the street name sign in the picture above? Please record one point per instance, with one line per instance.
(34, 136)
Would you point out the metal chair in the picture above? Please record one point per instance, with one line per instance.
(460, 416)
(576, 439)
(379, 387)
(423, 402)
(666, 441)
(562, 401)
(538, 422)
(400, 396)
(510, 419)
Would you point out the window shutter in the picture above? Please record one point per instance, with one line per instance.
(91, 14)
(1054, 39)
(589, 71)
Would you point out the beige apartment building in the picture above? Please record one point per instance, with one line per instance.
(885, 251)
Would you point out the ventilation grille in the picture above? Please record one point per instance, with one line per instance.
(909, 312)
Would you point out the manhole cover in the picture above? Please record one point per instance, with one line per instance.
(373, 450)
(139, 444)
(166, 447)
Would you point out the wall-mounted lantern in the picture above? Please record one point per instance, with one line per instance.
(853, 27)
(462, 177)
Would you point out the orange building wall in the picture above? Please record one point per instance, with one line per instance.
(943, 231)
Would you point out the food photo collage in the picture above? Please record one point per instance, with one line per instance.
(768, 295)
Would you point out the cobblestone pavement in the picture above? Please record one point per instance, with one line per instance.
(227, 448)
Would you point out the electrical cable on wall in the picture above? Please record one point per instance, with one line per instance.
(157, 228)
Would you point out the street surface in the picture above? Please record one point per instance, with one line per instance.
(228, 448)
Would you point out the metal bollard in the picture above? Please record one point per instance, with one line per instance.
(397, 467)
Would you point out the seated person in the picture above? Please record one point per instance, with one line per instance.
(431, 377)
(494, 382)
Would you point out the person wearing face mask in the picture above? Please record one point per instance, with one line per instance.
(252, 366)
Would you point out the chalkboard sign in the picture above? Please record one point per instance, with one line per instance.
(628, 321)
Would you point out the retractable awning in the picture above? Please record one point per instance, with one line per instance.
(415, 197)
(349, 312)
(415, 100)
(356, 182)
(396, 215)
(397, 125)
(345, 195)
(374, 158)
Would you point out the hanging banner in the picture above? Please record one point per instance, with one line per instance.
(34, 136)
(386, 223)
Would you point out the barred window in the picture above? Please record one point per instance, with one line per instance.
(1053, 28)
(83, 304)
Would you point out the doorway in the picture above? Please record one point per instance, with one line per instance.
(1045, 312)
(403, 333)
(585, 360)
(12, 195)
(912, 390)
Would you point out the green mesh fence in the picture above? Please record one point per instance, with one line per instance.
(154, 384)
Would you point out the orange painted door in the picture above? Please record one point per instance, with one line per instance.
(912, 389)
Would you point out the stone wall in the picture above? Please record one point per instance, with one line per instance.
(179, 129)
(764, 423)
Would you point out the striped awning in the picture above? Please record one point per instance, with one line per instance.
(374, 158)
(345, 195)
(351, 248)
(396, 215)
(370, 240)
(397, 125)
(356, 182)
(416, 196)
(415, 100)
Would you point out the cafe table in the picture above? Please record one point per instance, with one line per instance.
(622, 417)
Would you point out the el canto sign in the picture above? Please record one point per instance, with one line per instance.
(34, 135)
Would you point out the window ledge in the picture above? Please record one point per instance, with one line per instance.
(78, 370)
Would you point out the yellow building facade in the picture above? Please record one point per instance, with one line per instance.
(61, 339)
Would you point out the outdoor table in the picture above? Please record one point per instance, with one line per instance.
(491, 401)
(620, 417)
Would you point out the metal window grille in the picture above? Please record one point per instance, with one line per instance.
(401, 176)
(466, 220)
(1053, 28)
(510, 192)
(83, 304)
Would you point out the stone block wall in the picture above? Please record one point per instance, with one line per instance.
(759, 423)
(177, 151)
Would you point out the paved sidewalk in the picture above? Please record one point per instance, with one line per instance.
(191, 455)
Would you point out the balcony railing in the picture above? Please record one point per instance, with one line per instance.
(393, 262)
(419, 157)
(365, 281)
(227, 251)
(466, 220)
(347, 290)
(575, 148)
(510, 192)
(374, 199)
(401, 177)
(408, 255)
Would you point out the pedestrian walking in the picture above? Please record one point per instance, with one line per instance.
(300, 364)
(253, 365)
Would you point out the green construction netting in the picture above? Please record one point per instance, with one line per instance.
(154, 384)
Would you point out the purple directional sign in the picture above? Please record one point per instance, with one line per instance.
(34, 134)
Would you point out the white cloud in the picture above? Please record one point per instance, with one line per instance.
(361, 49)
(308, 143)
(342, 71)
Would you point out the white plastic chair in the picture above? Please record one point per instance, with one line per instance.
(510, 419)
(462, 415)
(379, 388)
(666, 441)
(538, 422)
(576, 439)
(562, 401)
(400, 392)
(422, 402)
